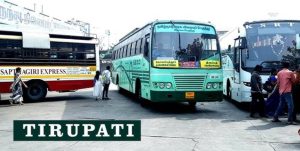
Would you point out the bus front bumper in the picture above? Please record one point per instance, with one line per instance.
(181, 96)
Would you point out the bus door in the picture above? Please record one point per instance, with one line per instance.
(237, 60)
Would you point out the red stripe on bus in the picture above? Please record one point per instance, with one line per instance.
(69, 85)
(56, 85)
(4, 87)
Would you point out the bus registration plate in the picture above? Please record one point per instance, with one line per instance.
(189, 95)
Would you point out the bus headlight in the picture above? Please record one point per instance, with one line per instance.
(161, 85)
(215, 85)
(208, 86)
(169, 85)
(155, 84)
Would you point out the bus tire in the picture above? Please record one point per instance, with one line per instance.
(36, 91)
(138, 90)
(228, 91)
(138, 94)
(120, 90)
(192, 103)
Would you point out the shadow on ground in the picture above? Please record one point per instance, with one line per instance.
(244, 106)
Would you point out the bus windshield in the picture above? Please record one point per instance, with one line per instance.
(185, 46)
(270, 43)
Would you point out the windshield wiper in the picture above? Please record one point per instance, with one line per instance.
(179, 37)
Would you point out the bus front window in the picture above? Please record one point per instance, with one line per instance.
(269, 45)
(184, 48)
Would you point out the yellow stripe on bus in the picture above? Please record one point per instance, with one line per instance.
(48, 76)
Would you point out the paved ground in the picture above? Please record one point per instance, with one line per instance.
(218, 126)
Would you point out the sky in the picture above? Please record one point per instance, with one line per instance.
(122, 16)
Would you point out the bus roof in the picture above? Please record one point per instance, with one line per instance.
(182, 21)
(19, 33)
(269, 21)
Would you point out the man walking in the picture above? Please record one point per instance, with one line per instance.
(106, 81)
(286, 78)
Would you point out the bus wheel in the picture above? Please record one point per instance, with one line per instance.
(138, 94)
(192, 103)
(120, 90)
(138, 90)
(36, 91)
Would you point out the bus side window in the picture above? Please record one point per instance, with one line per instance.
(133, 48)
(121, 53)
(138, 47)
(124, 51)
(142, 46)
(113, 55)
(10, 50)
(128, 49)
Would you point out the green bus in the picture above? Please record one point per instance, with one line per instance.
(170, 61)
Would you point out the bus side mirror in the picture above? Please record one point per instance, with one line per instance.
(243, 44)
(229, 48)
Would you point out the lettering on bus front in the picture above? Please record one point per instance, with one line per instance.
(177, 64)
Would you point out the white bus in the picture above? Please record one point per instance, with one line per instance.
(265, 43)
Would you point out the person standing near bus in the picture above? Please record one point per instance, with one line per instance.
(16, 87)
(97, 85)
(296, 95)
(106, 75)
(273, 94)
(285, 81)
(258, 102)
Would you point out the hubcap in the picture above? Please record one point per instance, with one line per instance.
(34, 91)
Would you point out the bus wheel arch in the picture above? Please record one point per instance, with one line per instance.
(138, 94)
(192, 104)
(36, 91)
(138, 89)
(117, 80)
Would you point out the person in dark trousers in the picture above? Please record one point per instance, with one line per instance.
(296, 96)
(273, 94)
(258, 102)
(106, 75)
(285, 81)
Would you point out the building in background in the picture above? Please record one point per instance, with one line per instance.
(54, 55)
(105, 59)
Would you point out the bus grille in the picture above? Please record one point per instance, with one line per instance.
(189, 82)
